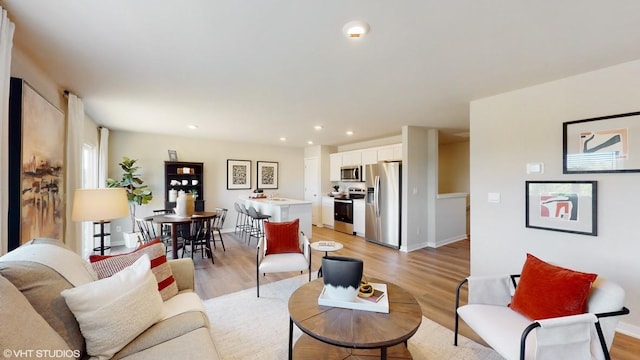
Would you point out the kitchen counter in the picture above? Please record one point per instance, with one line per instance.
(280, 201)
(283, 209)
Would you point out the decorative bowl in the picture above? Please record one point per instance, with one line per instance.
(342, 277)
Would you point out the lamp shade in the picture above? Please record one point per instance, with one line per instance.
(99, 204)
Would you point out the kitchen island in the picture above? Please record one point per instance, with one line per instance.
(283, 209)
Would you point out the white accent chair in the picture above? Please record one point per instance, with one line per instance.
(513, 336)
(275, 263)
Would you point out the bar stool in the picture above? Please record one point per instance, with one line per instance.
(257, 223)
(240, 219)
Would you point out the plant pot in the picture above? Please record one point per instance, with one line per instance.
(342, 277)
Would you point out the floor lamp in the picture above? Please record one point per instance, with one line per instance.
(100, 206)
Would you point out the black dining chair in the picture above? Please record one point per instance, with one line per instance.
(216, 225)
(198, 238)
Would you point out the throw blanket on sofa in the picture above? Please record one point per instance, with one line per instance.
(59, 258)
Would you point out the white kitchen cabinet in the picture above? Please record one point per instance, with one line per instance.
(397, 152)
(327, 211)
(385, 153)
(358, 216)
(350, 158)
(335, 162)
(369, 157)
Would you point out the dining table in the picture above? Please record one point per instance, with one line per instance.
(174, 220)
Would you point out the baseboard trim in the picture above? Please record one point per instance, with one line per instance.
(628, 329)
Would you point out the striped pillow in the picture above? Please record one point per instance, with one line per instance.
(107, 265)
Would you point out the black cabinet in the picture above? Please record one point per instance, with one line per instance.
(186, 176)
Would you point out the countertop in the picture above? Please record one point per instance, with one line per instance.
(278, 201)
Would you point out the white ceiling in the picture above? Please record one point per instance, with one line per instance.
(258, 70)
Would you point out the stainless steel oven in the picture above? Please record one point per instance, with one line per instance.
(343, 215)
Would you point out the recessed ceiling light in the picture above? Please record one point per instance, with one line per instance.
(192, 127)
(310, 142)
(349, 133)
(355, 29)
(283, 139)
(318, 127)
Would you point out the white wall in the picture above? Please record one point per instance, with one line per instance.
(513, 129)
(151, 152)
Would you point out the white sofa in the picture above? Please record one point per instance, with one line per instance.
(35, 315)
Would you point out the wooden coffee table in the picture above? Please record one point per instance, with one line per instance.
(338, 333)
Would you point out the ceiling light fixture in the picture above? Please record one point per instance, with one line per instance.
(349, 133)
(192, 127)
(283, 139)
(310, 142)
(318, 127)
(355, 29)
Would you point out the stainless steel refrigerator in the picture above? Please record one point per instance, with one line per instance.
(383, 203)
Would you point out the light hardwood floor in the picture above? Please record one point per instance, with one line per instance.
(431, 275)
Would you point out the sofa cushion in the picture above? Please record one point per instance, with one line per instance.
(41, 285)
(547, 291)
(115, 310)
(164, 331)
(15, 312)
(107, 265)
(196, 344)
(503, 335)
(282, 237)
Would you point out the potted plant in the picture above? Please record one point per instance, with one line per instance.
(137, 192)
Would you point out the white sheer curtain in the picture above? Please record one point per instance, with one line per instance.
(75, 135)
(103, 157)
(6, 43)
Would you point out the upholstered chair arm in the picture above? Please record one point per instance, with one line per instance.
(260, 250)
(184, 272)
(490, 290)
(306, 246)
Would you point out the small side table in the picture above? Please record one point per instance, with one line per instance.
(326, 246)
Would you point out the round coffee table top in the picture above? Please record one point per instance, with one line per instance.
(355, 328)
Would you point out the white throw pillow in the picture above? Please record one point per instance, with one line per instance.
(115, 310)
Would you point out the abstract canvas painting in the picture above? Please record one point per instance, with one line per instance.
(567, 206)
(36, 163)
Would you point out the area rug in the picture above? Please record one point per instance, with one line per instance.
(246, 327)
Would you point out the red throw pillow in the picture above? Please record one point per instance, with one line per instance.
(107, 265)
(547, 291)
(282, 237)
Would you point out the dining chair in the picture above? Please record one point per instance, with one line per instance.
(216, 225)
(199, 237)
(146, 229)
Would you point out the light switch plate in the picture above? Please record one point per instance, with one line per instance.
(535, 168)
(493, 197)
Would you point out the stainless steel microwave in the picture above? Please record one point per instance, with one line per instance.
(351, 173)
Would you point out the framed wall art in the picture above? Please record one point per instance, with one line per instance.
(267, 175)
(36, 166)
(238, 174)
(567, 206)
(607, 144)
